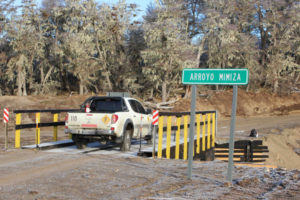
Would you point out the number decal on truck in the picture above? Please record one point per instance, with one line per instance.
(73, 118)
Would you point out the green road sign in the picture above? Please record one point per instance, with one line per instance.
(215, 76)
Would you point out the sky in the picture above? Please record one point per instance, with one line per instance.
(142, 4)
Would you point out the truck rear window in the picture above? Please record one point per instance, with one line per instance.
(107, 105)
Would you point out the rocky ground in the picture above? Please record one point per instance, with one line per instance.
(29, 174)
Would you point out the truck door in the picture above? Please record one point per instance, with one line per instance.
(141, 118)
(136, 117)
(146, 120)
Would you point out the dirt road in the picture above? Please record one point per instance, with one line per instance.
(265, 125)
(28, 174)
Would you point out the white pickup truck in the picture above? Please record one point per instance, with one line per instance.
(109, 118)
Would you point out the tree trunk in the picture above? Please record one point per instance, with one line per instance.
(164, 92)
(198, 61)
(85, 89)
(275, 83)
(24, 87)
(42, 76)
(19, 83)
(296, 80)
(151, 93)
(108, 81)
(105, 65)
(81, 88)
(66, 80)
(187, 91)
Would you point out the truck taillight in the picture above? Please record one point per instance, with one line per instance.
(114, 119)
(87, 108)
(66, 118)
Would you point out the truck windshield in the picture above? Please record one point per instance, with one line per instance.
(107, 105)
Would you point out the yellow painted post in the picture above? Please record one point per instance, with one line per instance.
(160, 136)
(213, 129)
(18, 131)
(203, 132)
(185, 132)
(178, 138)
(198, 133)
(55, 119)
(38, 130)
(208, 131)
(169, 124)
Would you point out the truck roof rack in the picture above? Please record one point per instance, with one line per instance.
(117, 94)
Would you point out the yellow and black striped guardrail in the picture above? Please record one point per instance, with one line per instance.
(38, 124)
(179, 122)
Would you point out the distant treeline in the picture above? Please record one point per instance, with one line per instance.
(83, 46)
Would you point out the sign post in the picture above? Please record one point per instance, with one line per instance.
(5, 120)
(232, 128)
(191, 132)
(154, 129)
(195, 77)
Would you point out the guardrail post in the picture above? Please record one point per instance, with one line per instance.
(55, 119)
(185, 130)
(18, 131)
(198, 133)
(169, 123)
(203, 132)
(177, 138)
(160, 136)
(213, 129)
(208, 131)
(38, 130)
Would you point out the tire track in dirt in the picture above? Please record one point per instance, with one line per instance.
(13, 158)
(35, 172)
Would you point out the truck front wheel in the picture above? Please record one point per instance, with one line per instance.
(126, 143)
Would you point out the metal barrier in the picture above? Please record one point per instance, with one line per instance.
(244, 151)
(38, 124)
(205, 121)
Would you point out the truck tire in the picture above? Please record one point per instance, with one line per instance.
(81, 144)
(126, 142)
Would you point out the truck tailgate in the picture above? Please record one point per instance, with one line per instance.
(89, 120)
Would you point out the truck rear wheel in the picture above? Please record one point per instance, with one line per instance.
(126, 143)
(81, 144)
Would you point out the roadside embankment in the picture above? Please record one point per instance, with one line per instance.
(284, 149)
